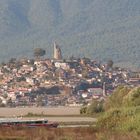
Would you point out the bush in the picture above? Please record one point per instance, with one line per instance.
(83, 110)
(122, 119)
(110, 119)
(116, 99)
(95, 107)
(122, 111)
(132, 98)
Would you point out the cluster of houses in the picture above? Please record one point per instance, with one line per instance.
(50, 82)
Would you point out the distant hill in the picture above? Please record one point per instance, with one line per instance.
(99, 29)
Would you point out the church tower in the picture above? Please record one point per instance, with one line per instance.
(57, 52)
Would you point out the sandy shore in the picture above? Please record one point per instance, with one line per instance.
(21, 111)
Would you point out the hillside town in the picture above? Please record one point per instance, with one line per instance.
(60, 82)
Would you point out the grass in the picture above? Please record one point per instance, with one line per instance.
(86, 133)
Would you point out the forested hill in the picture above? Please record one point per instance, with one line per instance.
(99, 29)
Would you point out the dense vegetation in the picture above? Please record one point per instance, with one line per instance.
(98, 29)
(121, 111)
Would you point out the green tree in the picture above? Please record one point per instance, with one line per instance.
(38, 52)
(110, 64)
(12, 60)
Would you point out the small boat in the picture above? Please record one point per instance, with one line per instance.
(11, 122)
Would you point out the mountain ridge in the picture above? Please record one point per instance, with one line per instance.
(93, 28)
